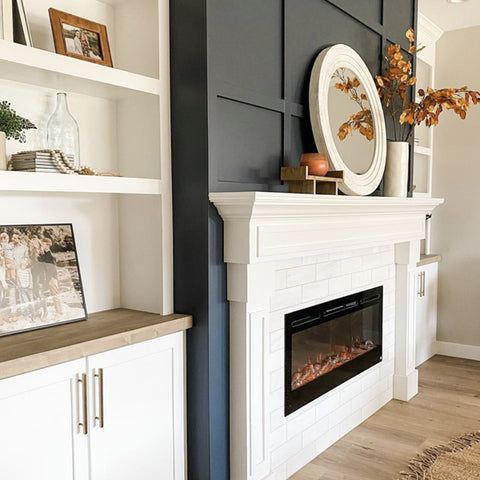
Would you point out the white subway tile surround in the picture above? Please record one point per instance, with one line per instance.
(300, 437)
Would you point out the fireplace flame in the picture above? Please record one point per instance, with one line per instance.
(324, 364)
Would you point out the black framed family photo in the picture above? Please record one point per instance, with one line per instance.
(40, 281)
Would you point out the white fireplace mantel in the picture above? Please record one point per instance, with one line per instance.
(263, 230)
(265, 226)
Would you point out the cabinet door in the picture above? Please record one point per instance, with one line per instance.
(39, 434)
(137, 406)
(426, 312)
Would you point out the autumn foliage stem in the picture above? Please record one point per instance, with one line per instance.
(397, 81)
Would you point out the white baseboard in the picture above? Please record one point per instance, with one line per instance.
(469, 352)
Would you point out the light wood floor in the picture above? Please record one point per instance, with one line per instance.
(448, 405)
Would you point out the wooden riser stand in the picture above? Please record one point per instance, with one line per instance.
(299, 181)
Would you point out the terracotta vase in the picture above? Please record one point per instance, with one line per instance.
(316, 162)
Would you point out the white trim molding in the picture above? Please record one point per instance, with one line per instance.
(428, 35)
(458, 350)
(265, 232)
(429, 28)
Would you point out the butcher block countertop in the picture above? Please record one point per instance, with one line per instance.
(427, 259)
(29, 351)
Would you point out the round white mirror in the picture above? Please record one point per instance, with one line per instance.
(347, 119)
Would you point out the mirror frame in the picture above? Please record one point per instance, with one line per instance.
(326, 64)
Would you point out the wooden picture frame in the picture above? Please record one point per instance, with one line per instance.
(80, 38)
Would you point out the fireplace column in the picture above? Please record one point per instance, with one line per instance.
(405, 381)
(249, 290)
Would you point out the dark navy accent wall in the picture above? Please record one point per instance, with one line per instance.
(240, 73)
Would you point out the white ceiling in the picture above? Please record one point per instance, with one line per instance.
(449, 16)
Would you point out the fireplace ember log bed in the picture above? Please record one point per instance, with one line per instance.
(330, 343)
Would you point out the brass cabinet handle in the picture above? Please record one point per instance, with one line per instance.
(82, 404)
(100, 416)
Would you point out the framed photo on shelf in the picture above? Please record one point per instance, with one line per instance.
(80, 38)
(40, 282)
(14, 26)
(21, 27)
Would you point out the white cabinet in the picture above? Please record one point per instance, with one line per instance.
(137, 412)
(39, 413)
(116, 415)
(426, 312)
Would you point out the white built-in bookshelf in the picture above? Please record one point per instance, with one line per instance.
(45, 69)
(122, 223)
(428, 35)
(53, 182)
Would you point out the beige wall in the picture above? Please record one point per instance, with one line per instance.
(456, 177)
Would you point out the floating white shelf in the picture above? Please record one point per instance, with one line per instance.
(423, 150)
(50, 70)
(57, 182)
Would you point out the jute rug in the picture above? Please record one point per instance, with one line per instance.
(459, 460)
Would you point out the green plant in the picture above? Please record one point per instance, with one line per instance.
(13, 125)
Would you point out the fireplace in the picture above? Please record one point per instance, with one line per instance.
(330, 343)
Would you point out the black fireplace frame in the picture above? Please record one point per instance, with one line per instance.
(309, 317)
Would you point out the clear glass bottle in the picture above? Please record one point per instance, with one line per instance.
(62, 130)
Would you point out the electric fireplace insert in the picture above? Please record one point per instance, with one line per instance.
(330, 343)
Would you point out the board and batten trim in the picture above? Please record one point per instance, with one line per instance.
(218, 81)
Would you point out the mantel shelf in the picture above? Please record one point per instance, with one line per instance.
(57, 182)
(49, 70)
(267, 226)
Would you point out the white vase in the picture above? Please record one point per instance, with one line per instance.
(3, 152)
(395, 180)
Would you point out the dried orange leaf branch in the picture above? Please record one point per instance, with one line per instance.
(361, 121)
(394, 86)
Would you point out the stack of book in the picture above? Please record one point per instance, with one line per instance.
(34, 162)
